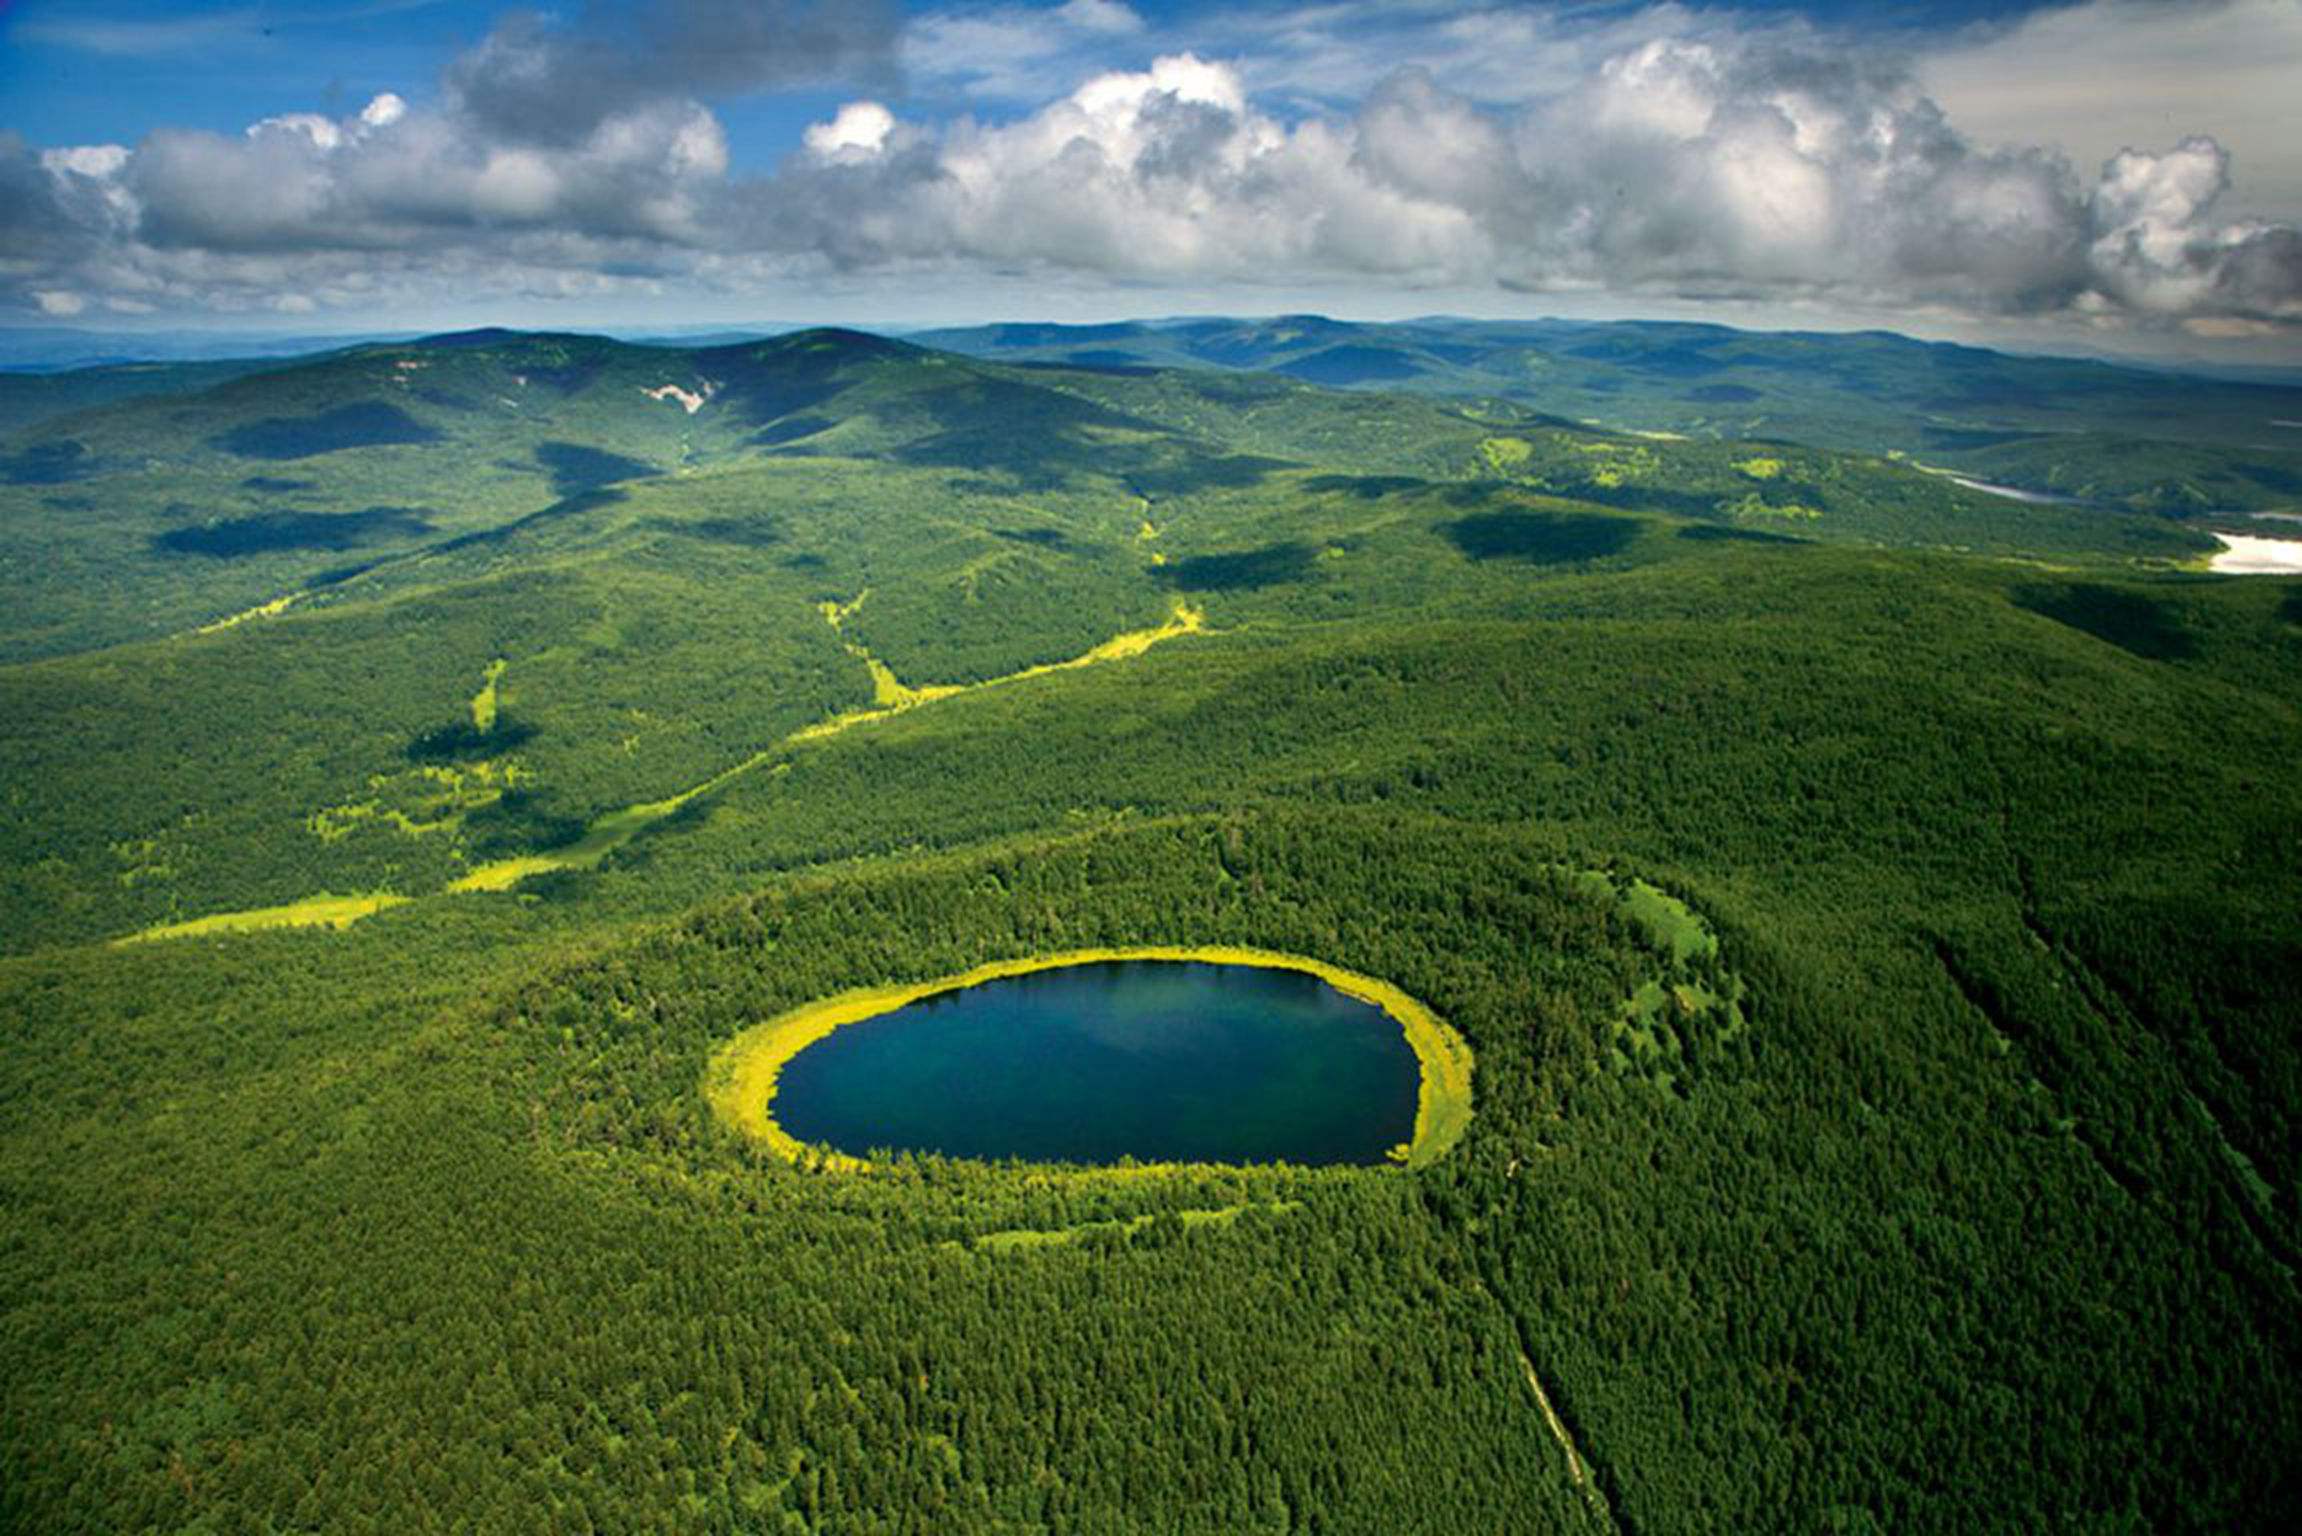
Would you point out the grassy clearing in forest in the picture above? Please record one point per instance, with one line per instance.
(485, 702)
(741, 1081)
(1674, 925)
(1506, 455)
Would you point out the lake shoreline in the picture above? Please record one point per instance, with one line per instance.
(742, 1079)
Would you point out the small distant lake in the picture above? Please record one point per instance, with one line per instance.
(2243, 556)
(1156, 1059)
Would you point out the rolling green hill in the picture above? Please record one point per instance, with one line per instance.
(172, 512)
(417, 762)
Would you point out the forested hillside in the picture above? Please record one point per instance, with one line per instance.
(1872, 905)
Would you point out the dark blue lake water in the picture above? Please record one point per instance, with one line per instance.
(1156, 1059)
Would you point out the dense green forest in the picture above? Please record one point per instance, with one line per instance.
(1949, 1177)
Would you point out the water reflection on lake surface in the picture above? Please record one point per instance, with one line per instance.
(1158, 1060)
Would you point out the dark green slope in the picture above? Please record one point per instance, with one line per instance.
(1957, 1190)
(28, 399)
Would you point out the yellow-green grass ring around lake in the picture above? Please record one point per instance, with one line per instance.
(741, 1080)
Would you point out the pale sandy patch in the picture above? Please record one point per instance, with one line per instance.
(689, 400)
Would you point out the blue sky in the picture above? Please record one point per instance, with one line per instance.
(2122, 174)
(76, 72)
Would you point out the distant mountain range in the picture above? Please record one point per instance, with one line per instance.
(2090, 431)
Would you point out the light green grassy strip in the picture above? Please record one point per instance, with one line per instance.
(312, 912)
(1027, 1238)
(485, 701)
(270, 610)
(741, 1081)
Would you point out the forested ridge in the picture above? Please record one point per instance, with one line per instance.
(1941, 1171)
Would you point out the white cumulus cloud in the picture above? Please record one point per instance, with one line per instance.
(860, 127)
(1681, 157)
